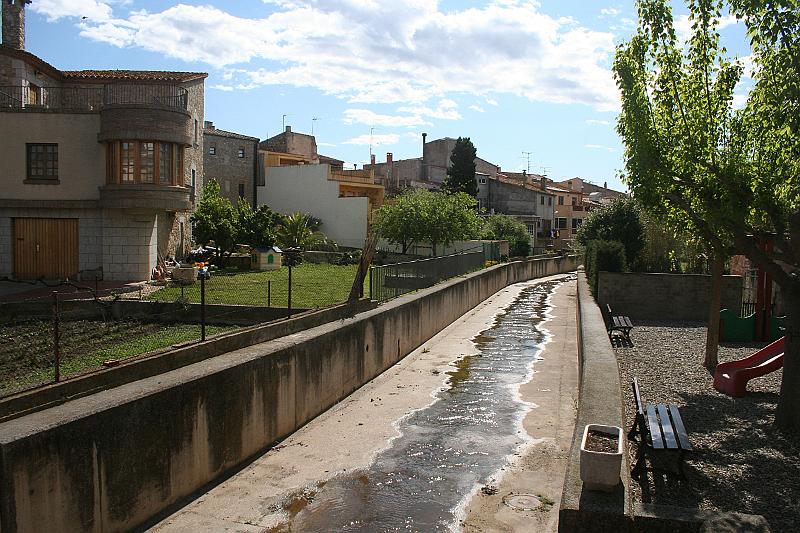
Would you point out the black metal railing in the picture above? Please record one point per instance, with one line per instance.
(390, 281)
(91, 99)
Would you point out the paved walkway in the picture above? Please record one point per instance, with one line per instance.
(347, 437)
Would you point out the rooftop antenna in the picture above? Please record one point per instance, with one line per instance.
(544, 171)
(371, 129)
(313, 120)
(528, 156)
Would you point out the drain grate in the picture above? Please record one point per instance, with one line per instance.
(522, 502)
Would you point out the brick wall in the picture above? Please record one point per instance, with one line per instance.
(664, 296)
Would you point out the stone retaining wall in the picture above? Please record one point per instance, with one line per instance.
(113, 460)
(644, 296)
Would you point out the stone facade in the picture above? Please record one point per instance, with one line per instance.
(125, 225)
(14, 23)
(290, 142)
(230, 158)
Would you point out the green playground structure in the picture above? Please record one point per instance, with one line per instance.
(734, 328)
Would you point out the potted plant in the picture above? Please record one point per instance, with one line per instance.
(601, 456)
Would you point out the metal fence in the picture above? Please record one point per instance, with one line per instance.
(92, 98)
(390, 281)
(51, 333)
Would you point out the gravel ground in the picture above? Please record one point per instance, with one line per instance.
(741, 462)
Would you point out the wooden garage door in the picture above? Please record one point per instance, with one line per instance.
(45, 247)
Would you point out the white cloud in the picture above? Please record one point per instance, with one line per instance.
(446, 110)
(221, 87)
(375, 140)
(593, 122)
(365, 116)
(599, 147)
(492, 101)
(609, 12)
(57, 9)
(377, 51)
(477, 108)
(327, 145)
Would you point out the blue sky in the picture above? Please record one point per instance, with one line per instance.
(514, 76)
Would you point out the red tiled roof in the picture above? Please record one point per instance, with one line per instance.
(228, 134)
(133, 75)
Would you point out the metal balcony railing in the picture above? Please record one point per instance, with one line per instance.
(91, 98)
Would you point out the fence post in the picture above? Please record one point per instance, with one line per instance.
(56, 340)
(269, 293)
(202, 307)
(370, 283)
(289, 315)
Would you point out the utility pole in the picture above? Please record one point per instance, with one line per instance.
(528, 156)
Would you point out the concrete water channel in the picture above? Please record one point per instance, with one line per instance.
(469, 432)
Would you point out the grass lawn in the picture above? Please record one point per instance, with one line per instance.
(26, 350)
(312, 286)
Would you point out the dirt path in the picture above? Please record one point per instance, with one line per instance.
(285, 480)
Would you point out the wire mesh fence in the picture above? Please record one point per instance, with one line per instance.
(390, 281)
(49, 334)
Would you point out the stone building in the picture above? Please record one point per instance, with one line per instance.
(231, 159)
(101, 168)
(596, 193)
(290, 142)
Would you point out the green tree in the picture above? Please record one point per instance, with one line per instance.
(461, 173)
(508, 228)
(731, 176)
(400, 222)
(434, 217)
(618, 221)
(297, 231)
(449, 218)
(214, 219)
(256, 227)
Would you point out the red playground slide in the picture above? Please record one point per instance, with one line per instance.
(731, 378)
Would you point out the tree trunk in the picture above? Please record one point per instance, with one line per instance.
(788, 415)
(357, 290)
(712, 332)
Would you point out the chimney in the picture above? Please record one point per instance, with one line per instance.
(207, 124)
(544, 184)
(605, 185)
(288, 129)
(14, 23)
(372, 159)
(389, 157)
(424, 136)
(424, 168)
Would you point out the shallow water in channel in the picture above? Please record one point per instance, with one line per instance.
(446, 449)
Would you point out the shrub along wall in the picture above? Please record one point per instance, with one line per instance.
(110, 461)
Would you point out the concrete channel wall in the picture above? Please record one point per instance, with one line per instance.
(113, 460)
(600, 402)
(661, 296)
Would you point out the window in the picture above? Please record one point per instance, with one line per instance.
(574, 201)
(212, 149)
(42, 161)
(560, 200)
(144, 162)
(482, 181)
(241, 190)
(550, 201)
(561, 223)
(531, 228)
(128, 162)
(164, 163)
(195, 132)
(576, 223)
(241, 152)
(147, 162)
(34, 94)
(541, 200)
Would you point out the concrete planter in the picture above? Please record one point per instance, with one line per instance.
(600, 470)
(185, 275)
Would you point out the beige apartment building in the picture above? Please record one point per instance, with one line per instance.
(101, 168)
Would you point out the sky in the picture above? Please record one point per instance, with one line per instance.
(528, 82)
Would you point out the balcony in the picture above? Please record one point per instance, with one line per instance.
(353, 176)
(146, 196)
(92, 99)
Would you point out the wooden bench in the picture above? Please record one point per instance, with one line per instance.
(622, 324)
(657, 430)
